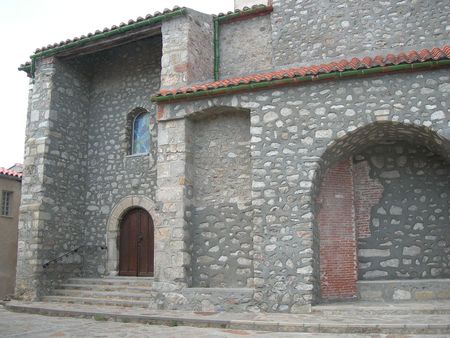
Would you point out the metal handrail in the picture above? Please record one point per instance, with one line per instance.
(45, 265)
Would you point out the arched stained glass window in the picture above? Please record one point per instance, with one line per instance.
(141, 134)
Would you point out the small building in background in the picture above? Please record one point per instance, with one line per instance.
(10, 183)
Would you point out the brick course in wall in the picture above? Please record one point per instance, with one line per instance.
(336, 221)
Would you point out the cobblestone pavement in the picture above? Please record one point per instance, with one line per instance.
(28, 325)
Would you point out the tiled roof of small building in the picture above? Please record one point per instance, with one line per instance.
(312, 72)
(8, 172)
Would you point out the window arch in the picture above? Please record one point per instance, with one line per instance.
(140, 134)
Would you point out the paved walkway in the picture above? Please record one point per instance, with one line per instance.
(28, 325)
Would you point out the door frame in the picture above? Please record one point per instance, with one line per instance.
(140, 222)
(113, 228)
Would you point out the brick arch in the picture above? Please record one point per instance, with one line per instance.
(333, 189)
(118, 211)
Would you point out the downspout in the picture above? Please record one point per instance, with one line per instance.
(216, 46)
(33, 66)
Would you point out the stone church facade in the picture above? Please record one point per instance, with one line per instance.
(298, 153)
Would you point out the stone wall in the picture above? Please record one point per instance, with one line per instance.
(187, 50)
(67, 170)
(221, 158)
(221, 213)
(298, 132)
(173, 196)
(53, 195)
(309, 31)
(77, 162)
(416, 290)
(245, 46)
(389, 205)
(77, 165)
(409, 226)
(32, 180)
(122, 81)
(200, 49)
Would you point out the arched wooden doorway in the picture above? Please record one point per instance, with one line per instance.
(136, 244)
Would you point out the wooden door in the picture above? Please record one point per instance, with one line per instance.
(136, 245)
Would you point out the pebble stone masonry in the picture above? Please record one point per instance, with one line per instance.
(235, 183)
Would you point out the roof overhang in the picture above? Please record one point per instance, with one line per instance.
(108, 38)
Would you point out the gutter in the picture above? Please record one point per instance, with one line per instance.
(297, 80)
(10, 177)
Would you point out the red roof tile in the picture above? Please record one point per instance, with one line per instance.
(119, 28)
(106, 29)
(336, 66)
(7, 172)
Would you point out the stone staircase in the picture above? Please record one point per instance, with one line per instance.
(112, 291)
(129, 299)
(355, 319)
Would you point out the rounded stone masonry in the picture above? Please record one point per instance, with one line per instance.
(297, 133)
(242, 186)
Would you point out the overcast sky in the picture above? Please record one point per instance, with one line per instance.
(28, 24)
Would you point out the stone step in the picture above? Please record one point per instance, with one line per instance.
(107, 287)
(310, 323)
(100, 301)
(105, 294)
(404, 290)
(383, 308)
(131, 281)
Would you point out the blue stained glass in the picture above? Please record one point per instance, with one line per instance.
(141, 134)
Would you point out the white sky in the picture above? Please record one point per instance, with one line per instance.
(28, 24)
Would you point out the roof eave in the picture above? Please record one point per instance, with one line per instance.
(177, 95)
(11, 177)
(74, 46)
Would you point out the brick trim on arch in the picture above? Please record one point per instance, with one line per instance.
(119, 210)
